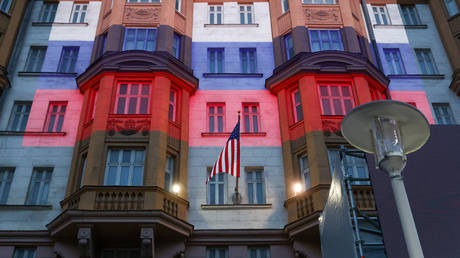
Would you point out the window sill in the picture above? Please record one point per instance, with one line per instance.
(42, 24)
(47, 74)
(25, 207)
(418, 26)
(14, 133)
(226, 75)
(235, 206)
(417, 76)
(232, 25)
(228, 134)
(72, 23)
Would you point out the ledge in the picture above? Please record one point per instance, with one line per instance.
(71, 23)
(453, 17)
(228, 134)
(42, 24)
(417, 76)
(25, 207)
(231, 25)
(225, 75)
(5, 13)
(417, 26)
(47, 74)
(14, 133)
(235, 206)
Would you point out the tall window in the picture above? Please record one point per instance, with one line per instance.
(176, 45)
(394, 61)
(325, 40)
(336, 99)
(39, 186)
(132, 98)
(169, 173)
(83, 168)
(319, 1)
(215, 14)
(216, 188)
(259, 252)
(426, 61)
(246, 15)
(248, 60)
(216, 60)
(451, 6)
(297, 106)
(178, 5)
(48, 12)
(217, 252)
(381, 15)
(19, 116)
(256, 187)
(172, 105)
(410, 15)
(285, 5)
(124, 167)
(289, 45)
(355, 165)
(140, 39)
(68, 59)
(93, 98)
(79, 13)
(6, 176)
(5, 5)
(443, 114)
(305, 171)
(216, 115)
(251, 118)
(35, 59)
(24, 253)
(55, 118)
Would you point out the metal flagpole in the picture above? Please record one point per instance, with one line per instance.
(237, 195)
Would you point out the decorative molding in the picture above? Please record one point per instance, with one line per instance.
(128, 126)
(331, 126)
(85, 241)
(323, 15)
(141, 14)
(147, 241)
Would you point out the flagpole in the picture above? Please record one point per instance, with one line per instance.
(237, 195)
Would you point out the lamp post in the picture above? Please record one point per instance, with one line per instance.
(390, 129)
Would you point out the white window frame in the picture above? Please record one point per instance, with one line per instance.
(169, 172)
(305, 171)
(284, 5)
(214, 181)
(378, 10)
(82, 9)
(246, 13)
(119, 164)
(216, 12)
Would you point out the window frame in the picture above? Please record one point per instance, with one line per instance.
(331, 98)
(258, 250)
(377, 11)
(137, 38)
(213, 56)
(215, 115)
(44, 186)
(215, 12)
(245, 60)
(251, 178)
(177, 45)
(284, 6)
(170, 166)
(24, 255)
(6, 177)
(37, 64)
(58, 114)
(305, 171)
(390, 52)
(5, 7)
(51, 12)
(178, 6)
(295, 105)
(424, 63)
(172, 115)
(70, 65)
(251, 115)
(245, 15)
(452, 9)
(214, 181)
(410, 14)
(128, 97)
(119, 164)
(23, 113)
(288, 41)
(334, 156)
(216, 250)
(330, 40)
(81, 12)
(440, 120)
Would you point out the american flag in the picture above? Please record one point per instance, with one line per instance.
(229, 159)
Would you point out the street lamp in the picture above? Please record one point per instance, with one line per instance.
(390, 129)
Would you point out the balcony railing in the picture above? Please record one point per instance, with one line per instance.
(126, 198)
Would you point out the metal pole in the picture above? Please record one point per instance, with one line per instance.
(405, 215)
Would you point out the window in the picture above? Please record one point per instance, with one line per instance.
(289, 45)
(259, 252)
(55, 118)
(35, 59)
(297, 106)
(354, 163)
(39, 186)
(451, 6)
(325, 40)
(246, 15)
(256, 187)
(48, 12)
(215, 14)
(305, 171)
(251, 118)
(120, 253)
(394, 61)
(79, 13)
(381, 15)
(216, 60)
(285, 5)
(5, 5)
(217, 252)
(24, 253)
(19, 116)
(172, 105)
(103, 40)
(169, 172)
(94, 97)
(176, 45)
(132, 98)
(144, 1)
(178, 5)
(410, 15)
(124, 167)
(426, 61)
(83, 168)
(216, 114)
(68, 59)
(318, 1)
(140, 39)
(216, 188)
(443, 114)
(248, 60)
(6, 176)
(336, 100)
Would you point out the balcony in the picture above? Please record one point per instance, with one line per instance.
(126, 198)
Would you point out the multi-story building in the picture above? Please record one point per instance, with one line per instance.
(118, 111)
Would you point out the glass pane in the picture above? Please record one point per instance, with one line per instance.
(137, 177)
(211, 124)
(345, 91)
(249, 17)
(145, 89)
(139, 156)
(60, 122)
(246, 109)
(247, 127)
(114, 156)
(144, 106)
(134, 89)
(335, 91)
(124, 176)
(297, 97)
(299, 112)
(250, 193)
(326, 107)
(132, 106)
(51, 123)
(123, 89)
(220, 124)
(260, 197)
(337, 107)
(323, 90)
(44, 195)
(348, 105)
(241, 18)
(212, 194)
(211, 110)
(255, 124)
(126, 158)
(219, 18)
(221, 193)
(140, 39)
(220, 110)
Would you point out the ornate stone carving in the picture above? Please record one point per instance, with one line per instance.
(128, 126)
(322, 15)
(84, 242)
(141, 14)
(147, 239)
(331, 126)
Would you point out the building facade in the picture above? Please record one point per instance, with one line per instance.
(117, 112)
